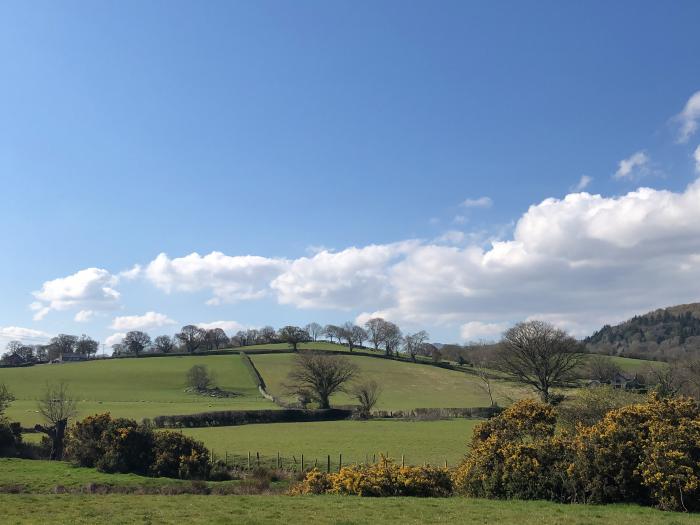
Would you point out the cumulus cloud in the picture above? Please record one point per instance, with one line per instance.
(579, 261)
(28, 336)
(477, 330)
(229, 327)
(632, 167)
(147, 321)
(115, 338)
(582, 183)
(696, 155)
(585, 257)
(689, 117)
(89, 289)
(349, 279)
(83, 316)
(227, 278)
(481, 202)
(451, 237)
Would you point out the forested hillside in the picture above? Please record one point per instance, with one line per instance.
(663, 334)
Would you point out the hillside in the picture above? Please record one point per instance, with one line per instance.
(135, 388)
(663, 334)
(404, 385)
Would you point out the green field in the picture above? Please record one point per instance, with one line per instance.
(404, 385)
(134, 388)
(132, 509)
(42, 477)
(419, 441)
(633, 366)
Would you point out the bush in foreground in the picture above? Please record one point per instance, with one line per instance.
(122, 445)
(379, 480)
(647, 453)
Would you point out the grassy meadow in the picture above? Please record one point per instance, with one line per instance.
(133, 509)
(420, 442)
(404, 385)
(135, 388)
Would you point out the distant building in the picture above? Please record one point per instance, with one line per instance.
(70, 358)
(619, 380)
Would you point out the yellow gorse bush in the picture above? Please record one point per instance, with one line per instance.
(647, 453)
(383, 478)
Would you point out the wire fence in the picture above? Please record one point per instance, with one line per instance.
(302, 462)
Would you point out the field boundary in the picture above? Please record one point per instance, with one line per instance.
(227, 418)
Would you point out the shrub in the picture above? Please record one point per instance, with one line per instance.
(86, 444)
(381, 479)
(178, 456)
(199, 377)
(127, 449)
(10, 438)
(122, 445)
(648, 453)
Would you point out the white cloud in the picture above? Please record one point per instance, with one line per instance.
(689, 117)
(481, 202)
(476, 330)
(132, 273)
(451, 237)
(459, 219)
(582, 183)
(349, 279)
(28, 336)
(582, 260)
(696, 155)
(83, 316)
(228, 278)
(229, 327)
(115, 339)
(631, 167)
(147, 321)
(89, 289)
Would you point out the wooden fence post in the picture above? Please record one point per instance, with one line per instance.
(340, 462)
(249, 460)
(403, 462)
(302, 462)
(328, 466)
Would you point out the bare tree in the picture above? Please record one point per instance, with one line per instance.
(191, 336)
(538, 354)
(136, 341)
(353, 335)
(293, 335)
(375, 331)
(56, 406)
(391, 338)
(216, 338)
(320, 376)
(332, 332)
(413, 343)
(199, 377)
(267, 335)
(367, 393)
(86, 345)
(485, 378)
(602, 368)
(164, 344)
(314, 330)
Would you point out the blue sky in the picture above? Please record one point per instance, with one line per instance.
(337, 144)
